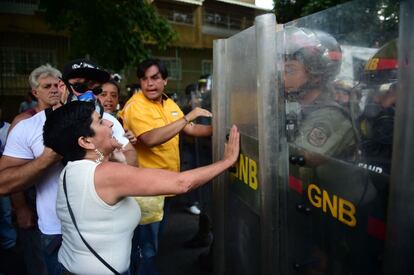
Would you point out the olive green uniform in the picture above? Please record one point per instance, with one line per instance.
(325, 128)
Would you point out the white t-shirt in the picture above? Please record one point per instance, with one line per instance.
(108, 229)
(25, 141)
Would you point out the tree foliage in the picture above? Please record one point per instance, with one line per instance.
(367, 23)
(288, 10)
(114, 33)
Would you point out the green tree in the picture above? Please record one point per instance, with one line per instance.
(114, 33)
(288, 10)
(368, 23)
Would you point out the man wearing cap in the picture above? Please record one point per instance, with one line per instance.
(83, 79)
(26, 161)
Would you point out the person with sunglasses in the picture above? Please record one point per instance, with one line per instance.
(84, 80)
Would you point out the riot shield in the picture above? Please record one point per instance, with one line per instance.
(338, 190)
(324, 114)
(244, 93)
(400, 222)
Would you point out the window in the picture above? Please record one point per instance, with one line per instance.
(178, 16)
(221, 20)
(206, 67)
(173, 66)
(19, 6)
(20, 61)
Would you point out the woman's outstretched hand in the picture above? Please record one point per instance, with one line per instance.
(232, 147)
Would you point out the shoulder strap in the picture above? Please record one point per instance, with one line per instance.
(76, 226)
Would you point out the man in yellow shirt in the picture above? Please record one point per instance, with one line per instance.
(156, 121)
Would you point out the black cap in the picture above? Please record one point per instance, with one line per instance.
(86, 69)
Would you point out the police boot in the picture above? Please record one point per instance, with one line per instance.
(204, 236)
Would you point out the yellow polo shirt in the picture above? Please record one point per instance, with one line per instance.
(141, 115)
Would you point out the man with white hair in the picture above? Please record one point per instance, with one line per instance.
(25, 162)
(45, 86)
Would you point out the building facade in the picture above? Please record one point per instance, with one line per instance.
(26, 42)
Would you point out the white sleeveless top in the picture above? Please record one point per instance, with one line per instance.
(108, 229)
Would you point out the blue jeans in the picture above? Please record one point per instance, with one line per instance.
(50, 245)
(135, 252)
(148, 239)
(32, 251)
(144, 249)
(7, 231)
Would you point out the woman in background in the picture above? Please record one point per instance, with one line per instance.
(109, 98)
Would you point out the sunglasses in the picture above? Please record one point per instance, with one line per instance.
(85, 86)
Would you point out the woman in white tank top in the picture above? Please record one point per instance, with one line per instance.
(98, 190)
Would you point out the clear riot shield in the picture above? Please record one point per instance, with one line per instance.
(340, 106)
(244, 93)
(325, 115)
(400, 222)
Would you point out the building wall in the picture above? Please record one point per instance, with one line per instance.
(26, 42)
(197, 27)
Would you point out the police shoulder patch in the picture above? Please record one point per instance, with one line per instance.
(318, 136)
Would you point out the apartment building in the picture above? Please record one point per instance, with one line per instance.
(26, 41)
(198, 23)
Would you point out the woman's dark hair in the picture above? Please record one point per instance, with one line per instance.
(144, 65)
(65, 125)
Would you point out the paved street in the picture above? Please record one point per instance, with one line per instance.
(173, 258)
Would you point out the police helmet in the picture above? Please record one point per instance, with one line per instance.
(382, 67)
(318, 51)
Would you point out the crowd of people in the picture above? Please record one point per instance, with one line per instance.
(72, 135)
(90, 181)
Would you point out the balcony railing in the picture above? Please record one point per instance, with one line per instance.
(19, 6)
(219, 20)
(175, 16)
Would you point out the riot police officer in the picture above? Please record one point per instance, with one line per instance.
(321, 136)
(317, 124)
(376, 123)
